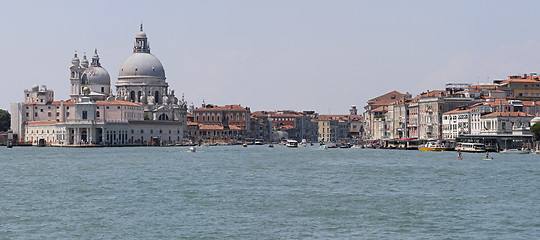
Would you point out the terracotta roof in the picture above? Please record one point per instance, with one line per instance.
(41, 123)
(432, 93)
(386, 99)
(521, 81)
(117, 103)
(380, 109)
(507, 114)
(68, 102)
(236, 127)
(210, 107)
(210, 127)
(530, 103)
(457, 111)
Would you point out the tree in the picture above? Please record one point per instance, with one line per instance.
(5, 120)
(536, 130)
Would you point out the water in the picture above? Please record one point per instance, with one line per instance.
(258, 192)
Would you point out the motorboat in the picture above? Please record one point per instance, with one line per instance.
(192, 149)
(291, 143)
(471, 147)
(514, 151)
(259, 142)
(432, 146)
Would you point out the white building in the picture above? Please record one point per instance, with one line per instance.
(93, 115)
(502, 123)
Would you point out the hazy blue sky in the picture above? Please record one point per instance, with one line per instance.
(268, 55)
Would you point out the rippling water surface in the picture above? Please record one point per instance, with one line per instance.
(258, 192)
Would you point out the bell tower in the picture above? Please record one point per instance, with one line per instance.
(75, 77)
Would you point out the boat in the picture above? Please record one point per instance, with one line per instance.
(270, 145)
(192, 149)
(303, 143)
(471, 147)
(346, 145)
(259, 142)
(514, 151)
(244, 144)
(432, 146)
(291, 143)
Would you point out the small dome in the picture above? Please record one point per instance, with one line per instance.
(75, 60)
(141, 65)
(86, 90)
(535, 120)
(84, 62)
(96, 75)
(141, 34)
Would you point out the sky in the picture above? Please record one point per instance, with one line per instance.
(275, 55)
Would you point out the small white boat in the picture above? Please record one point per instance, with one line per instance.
(192, 149)
(471, 147)
(291, 143)
(514, 151)
(259, 142)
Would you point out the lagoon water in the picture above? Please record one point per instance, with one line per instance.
(257, 192)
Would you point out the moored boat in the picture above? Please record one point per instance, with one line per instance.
(471, 147)
(291, 143)
(432, 146)
(514, 151)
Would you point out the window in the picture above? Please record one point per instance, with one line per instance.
(57, 114)
(118, 107)
(41, 110)
(35, 114)
(49, 114)
(84, 115)
(97, 114)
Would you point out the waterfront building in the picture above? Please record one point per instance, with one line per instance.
(371, 116)
(297, 125)
(504, 123)
(398, 118)
(431, 106)
(524, 87)
(93, 115)
(219, 124)
(412, 125)
(333, 128)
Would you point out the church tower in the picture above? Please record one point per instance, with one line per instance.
(75, 79)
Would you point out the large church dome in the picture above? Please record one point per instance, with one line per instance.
(141, 64)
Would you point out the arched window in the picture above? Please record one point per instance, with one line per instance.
(97, 114)
(139, 96)
(163, 116)
(132, 96)
(156, 96)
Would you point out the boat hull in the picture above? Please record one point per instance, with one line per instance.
(431, 149)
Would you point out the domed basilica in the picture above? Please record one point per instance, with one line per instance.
(141, 80)
(144, 110)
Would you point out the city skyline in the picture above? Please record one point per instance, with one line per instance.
(304, 55)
